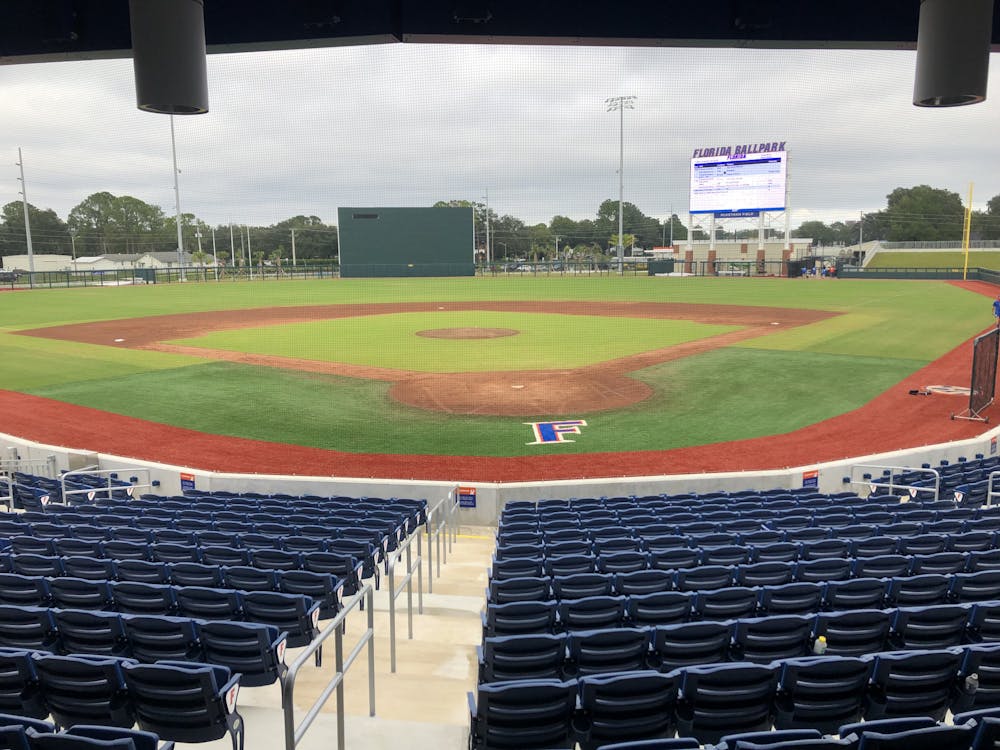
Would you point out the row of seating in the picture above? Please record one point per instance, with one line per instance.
(666, 553)
(277, 535)
(82, 593)
(973, 730)
(140, 568)
(715, 574)
(255, 650)
(555, 584)
(810, 526)
(178, 701)
(797, 514)
(709, 702)
(984, 583)
(24, 626)
(23, 733)
(671, 607)
(543, 653)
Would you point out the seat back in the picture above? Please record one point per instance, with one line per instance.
(522, 714)
(84, 689)
(627, 706)
(723, 699)
(821, 692)
(612, 650)
(254, 650)
(912, 683)
(522, 657)
(691, 643)
(185, 702)
(764, 639)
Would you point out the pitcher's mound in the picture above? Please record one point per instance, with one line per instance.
(520, 394)
(467, 333)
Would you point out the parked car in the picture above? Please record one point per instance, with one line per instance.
(9, 276)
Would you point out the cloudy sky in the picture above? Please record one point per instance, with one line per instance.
(306, 131)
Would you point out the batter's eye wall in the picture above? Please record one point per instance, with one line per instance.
(405, 242)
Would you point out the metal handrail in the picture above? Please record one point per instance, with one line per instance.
(440, 522)
(93, 491)
(407, 583)
(293, 733)
(990, 493)
(8, 466)
(893, 485)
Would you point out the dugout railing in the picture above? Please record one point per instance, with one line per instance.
(887, 480)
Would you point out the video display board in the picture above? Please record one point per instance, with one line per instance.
(740, 180)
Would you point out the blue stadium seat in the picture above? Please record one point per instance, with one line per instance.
(523, 714)
(153, 638)
(22, 590)
(857, 593)
(80, 593)
(626, 706)
(821, 692)
(142, 571)
(881, 566)
(790, 599)
(943, 563)
(514, 618)
(942, 737)
(143, 598)
(254, 651)
(765, 639)
(611, 650)
(724, 604)
(704, 578)
(723, 699)
(575, 586)
(522, 657)
(853, 633)
(979, 674)
(918, 590)
(88, 737)
(981, 586)
(565, 565)
(84, 689)
(688, 644)
(27, 627)
(929, 627)
(194, 574)
(765, 574)
(913, 683)
(591, 612)
(658, 608)
(643, 582)
(19, 692)
(86, 632)
(185, 702)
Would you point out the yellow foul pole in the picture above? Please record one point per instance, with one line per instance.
(966, 231)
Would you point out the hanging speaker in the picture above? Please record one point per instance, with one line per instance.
(168, 53)
(953, 52)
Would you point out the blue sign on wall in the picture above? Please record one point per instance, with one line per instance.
(466, 497)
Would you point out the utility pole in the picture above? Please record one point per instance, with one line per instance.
(861, 237)
(293, 247)
(177, 201)
(249, 253)
(215, 256)
(621, 103)
(27, 221)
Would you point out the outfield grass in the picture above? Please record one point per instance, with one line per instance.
(886, 330)
(943, 259)
(543, 341)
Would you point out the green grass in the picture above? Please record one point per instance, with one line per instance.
(943, 259)
(763, 393)
(886, 330)
(544, 341)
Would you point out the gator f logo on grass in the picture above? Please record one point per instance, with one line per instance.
(555, 432)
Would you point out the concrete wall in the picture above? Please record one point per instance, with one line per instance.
(490, 498)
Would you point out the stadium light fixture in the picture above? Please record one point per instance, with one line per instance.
(620, 104)
(953, 52)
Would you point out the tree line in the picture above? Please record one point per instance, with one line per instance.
(104, 223)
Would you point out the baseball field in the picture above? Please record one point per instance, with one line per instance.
(418, 377)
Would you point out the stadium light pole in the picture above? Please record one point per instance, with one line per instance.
(620, 104)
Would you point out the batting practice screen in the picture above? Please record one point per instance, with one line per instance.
(405, 242)
(984, 370)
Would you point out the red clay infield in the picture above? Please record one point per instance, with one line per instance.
(892, 421)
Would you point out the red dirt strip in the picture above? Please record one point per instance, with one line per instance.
(892, 421)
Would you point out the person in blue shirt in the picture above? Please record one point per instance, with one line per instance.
(996, 310)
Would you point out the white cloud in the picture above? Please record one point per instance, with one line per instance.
(307, 131)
